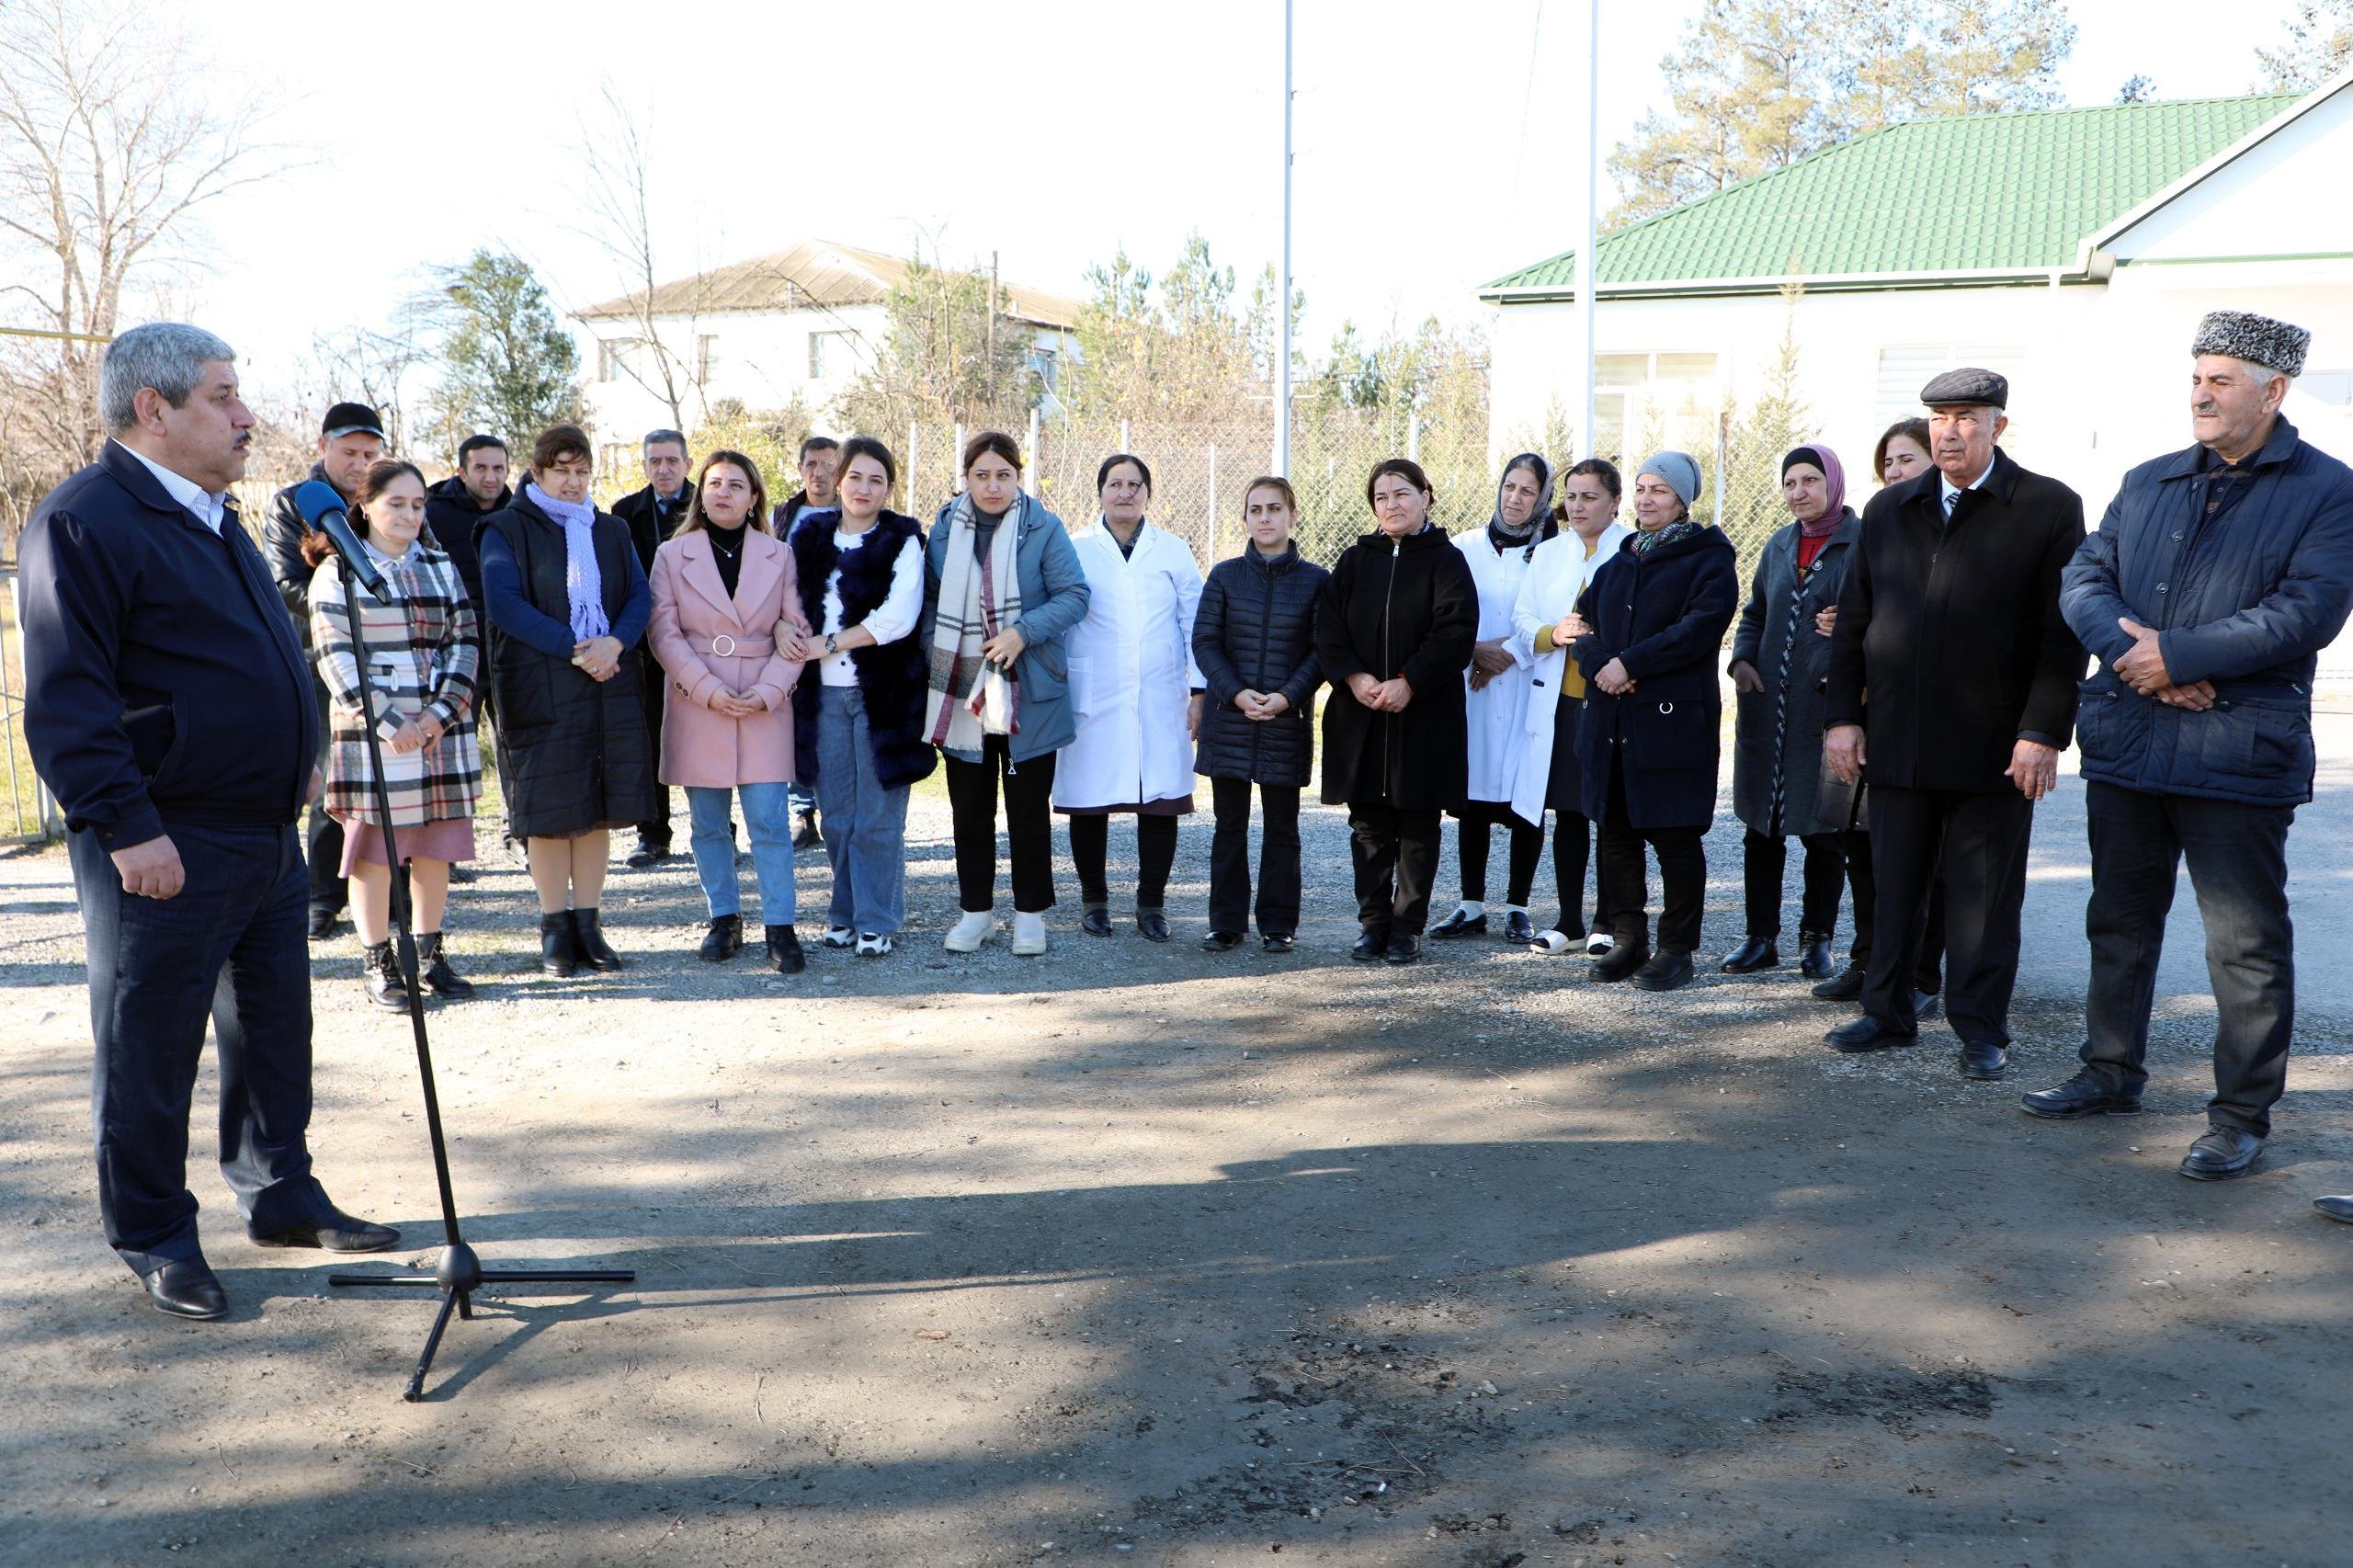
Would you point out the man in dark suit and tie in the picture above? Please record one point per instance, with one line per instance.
(168, 707)
(1949, 619)
(653, 514)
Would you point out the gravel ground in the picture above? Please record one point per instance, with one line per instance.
(1132, 1253)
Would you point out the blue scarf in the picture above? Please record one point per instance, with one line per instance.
(584, 584)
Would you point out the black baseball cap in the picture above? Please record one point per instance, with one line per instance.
(351, 419)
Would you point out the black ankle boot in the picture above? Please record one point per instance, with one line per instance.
(381, 974)
(1621, 961)
(724, 939)
(594, 951)
(1756, 953)
(1814, 962)
(784, 949)
(558, 948)
(436, 971)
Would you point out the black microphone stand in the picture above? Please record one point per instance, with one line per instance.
(459, 1272)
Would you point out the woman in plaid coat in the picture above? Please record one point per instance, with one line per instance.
(422, 654)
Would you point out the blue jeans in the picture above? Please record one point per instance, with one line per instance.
(228, 948)
(768, 822)
(865, 824)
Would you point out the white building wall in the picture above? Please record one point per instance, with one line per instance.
(761, 357)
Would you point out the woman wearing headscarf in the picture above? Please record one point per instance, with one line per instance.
(1777, 669)
(1647, 633)
(1136, 695)
(1550, 773)
(1496, 688)
(567, 602)
(1394, 629)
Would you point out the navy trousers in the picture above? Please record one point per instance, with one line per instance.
(229, 948)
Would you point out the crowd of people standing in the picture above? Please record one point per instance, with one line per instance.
(1905, 681)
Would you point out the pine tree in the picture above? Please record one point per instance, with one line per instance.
(507, 366)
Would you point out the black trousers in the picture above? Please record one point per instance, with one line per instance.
(1278, 908)
(1029, 827)
(229, 949)
(1622, 885)
(321, 834)
(654, 686)
(2238, 870)
(1763, 861)
(1395, 852)
(1572, 848)
(1473, 842)
(1984, 844)
(1862, 880)
(1090, 848)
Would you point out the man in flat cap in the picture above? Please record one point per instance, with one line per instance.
(350, 438)
(2218, 575)
(1949, 619)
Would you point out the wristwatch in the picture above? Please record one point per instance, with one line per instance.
(829, 642)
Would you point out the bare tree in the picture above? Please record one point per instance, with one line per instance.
(111, 136)
(615, 194)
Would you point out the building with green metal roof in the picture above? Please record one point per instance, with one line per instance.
(2072, 249)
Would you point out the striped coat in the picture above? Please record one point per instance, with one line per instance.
(423, 652)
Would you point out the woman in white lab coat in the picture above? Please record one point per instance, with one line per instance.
(1496, 704)
(1549, 772)
(1136, 694)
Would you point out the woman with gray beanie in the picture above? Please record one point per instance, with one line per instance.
(1647, 632)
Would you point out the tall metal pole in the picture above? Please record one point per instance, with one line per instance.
(1282, 366)
(1586, 258)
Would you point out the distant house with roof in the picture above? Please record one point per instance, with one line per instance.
(800, 324)
(2072, 250)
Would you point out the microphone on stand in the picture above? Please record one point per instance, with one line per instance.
(321, 505)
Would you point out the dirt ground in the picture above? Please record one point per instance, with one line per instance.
(1132, 1253)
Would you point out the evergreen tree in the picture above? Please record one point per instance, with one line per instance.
(507, 366)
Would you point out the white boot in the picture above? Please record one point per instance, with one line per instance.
(1028, 935)
(967, 934)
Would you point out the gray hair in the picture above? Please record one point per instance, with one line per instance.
(168, 355)
(2262, 375)
(658, 437)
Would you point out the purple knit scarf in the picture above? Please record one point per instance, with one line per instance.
(584, 584)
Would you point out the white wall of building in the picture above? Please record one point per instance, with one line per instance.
(763, 358)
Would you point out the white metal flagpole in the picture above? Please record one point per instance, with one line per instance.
(1282, 302)
(1586, 258)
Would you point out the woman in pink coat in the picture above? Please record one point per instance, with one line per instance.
(721, 585)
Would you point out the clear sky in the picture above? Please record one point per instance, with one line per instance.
(1437, 143)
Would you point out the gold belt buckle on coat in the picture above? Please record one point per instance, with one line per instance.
(726, 652)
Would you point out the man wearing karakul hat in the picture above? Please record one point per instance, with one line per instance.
(1949, 619)
(2218, 575)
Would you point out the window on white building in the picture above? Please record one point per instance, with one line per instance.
(706, 357)
(829, 354)
(1646, 397)
(608, 360)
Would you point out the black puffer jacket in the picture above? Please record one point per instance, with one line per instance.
(281, 545)
(1256, 631)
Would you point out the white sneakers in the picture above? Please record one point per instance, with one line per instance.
(838, 936)
(968, 933)
(874, 945)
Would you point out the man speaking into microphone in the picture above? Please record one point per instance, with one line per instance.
(168, 707)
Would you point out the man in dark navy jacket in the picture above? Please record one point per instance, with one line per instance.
(1949, 620)
(168, 707)
(2216, 578)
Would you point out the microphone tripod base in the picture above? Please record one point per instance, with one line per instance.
(457, 1276)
